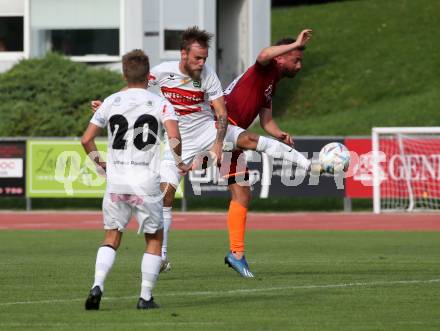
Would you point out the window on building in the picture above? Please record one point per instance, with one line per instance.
(87, 30)
(84, 41)
(11, 34)
(12, 30)
(174, 17)
(172, 40)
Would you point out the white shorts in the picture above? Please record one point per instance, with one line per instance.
(200, 139)
(118, 209)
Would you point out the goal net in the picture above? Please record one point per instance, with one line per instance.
(406, 169)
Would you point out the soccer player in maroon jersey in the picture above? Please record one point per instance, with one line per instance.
(249, 96)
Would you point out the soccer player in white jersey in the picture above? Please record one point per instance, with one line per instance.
(134, 118)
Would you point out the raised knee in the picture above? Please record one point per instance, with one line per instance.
(251, 138)
(254, 138)
(247, 140)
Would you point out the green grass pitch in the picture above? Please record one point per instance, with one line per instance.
(305, 280)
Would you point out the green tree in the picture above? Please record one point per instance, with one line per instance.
(51, 96)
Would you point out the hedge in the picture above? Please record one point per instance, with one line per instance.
(51, 96)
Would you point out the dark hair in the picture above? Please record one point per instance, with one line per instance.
(287, 41)
(135, 66)
(194, 34)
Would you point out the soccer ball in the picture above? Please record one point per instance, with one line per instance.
(334, 158)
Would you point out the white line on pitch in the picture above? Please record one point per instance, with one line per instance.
(112, 324)
(232, 292)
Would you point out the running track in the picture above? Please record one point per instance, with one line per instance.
(51, 220)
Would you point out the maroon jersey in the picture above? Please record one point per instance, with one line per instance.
(250, 92)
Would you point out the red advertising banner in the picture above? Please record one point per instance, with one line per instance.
(12, 168)
(410, 167)
(359, 185)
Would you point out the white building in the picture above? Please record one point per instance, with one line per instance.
(101, 31)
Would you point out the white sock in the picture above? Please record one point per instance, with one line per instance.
(150, 270)
(104, 262)
(167, 220)
(279, 150)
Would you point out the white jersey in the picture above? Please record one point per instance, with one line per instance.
(134, 119)
(191, 99)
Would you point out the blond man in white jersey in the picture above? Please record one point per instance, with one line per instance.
(193, 88)
(134, 118)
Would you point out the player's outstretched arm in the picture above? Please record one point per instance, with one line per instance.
(222, 125)
(175, 142)
(268, 53)
(271, 127)
(88, 142)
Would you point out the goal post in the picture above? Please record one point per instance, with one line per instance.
(406, 169)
